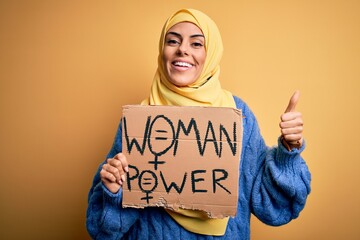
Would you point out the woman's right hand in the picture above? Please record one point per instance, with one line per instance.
(113, 172)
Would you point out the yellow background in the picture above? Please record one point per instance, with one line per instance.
(67, 67)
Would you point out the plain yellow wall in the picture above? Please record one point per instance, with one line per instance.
(67, 67)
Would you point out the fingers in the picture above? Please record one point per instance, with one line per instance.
(291, 124)
(290, 116)
(293, 102)
(292, 130)
(291, 119)
(112, 173)
(121, 157)
(293, 139)
(114, 169)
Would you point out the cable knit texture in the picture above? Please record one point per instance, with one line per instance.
(274, 184)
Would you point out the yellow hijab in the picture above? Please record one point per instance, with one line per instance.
(205, 91)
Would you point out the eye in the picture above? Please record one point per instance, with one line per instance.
(197, 44)
(172, 42)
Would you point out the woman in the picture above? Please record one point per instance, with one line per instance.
(274, 182)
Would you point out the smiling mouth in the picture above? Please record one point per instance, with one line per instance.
(182, 64)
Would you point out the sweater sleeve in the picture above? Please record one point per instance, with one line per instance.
(106, 219)
(281, 186)
(279, 179)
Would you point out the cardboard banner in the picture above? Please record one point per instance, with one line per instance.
(182, 157)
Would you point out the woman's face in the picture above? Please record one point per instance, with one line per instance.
(184, 53)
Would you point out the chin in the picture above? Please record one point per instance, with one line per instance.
(181, 82)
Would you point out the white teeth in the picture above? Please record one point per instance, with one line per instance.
(182, 64)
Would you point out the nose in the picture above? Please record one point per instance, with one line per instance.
(183, 49)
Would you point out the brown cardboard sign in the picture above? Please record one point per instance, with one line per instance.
(182, 157)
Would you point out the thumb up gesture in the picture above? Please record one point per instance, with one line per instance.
(291, 124)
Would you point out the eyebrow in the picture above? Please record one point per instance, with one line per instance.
(191, 36)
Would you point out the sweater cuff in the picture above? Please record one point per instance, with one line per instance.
(284, 156)
(113, 198)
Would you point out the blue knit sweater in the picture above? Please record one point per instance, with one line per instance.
(274, 184)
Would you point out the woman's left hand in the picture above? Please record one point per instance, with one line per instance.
(291, 124)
